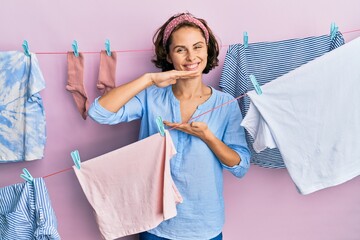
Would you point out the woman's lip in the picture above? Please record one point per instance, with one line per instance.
(191, 66)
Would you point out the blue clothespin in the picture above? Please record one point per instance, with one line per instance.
(255, 84)
(76, 158)
(25, 46)
(246, 39)
(75, 48)
(160, 125)
(27, 176)
(333, 30)
(107, 47)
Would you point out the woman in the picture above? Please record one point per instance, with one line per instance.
(185, 49)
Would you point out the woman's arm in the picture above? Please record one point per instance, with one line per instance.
(200, 129)
(231, 150)
(224, 153)
(119, 96)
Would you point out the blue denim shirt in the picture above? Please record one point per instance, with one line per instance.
(195, 169)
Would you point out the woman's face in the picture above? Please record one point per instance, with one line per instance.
(188, 50)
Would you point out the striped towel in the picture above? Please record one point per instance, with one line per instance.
(268, 61)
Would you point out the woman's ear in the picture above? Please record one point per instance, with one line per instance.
(168, 58)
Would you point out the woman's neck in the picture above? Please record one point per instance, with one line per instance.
(190, 89)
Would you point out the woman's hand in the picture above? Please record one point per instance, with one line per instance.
(164, 79)
(198, 129)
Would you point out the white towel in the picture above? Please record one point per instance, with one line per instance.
(312, 115)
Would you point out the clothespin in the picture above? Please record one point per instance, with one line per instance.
(25, 46)
(107, 47)
(160, 125)
(246, 39)
(255, 84)
(76, 158)
(75, 48)
(333, 30)
(27, 176)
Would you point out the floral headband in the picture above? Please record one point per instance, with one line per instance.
(180, 19)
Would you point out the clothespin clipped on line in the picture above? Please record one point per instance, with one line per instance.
(75, 47)
(107, 47)
(246, 39)
(25, 46)
(333, 30)
(76, 158)
(27, 176)
(255, 84)
(160, 125)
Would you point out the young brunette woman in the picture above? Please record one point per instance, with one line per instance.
(185, 49)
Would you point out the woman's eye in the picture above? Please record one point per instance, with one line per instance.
(198, 48)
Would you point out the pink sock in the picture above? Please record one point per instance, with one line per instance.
(75, 82)
(107, 71)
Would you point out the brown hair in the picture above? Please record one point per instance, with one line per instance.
(160, 58)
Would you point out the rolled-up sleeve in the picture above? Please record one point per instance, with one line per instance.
(132, 110)
(234, 138)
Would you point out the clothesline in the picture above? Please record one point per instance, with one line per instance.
(208, 111)
(145, 50)
(193, 118)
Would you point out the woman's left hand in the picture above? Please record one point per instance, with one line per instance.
(198, 129)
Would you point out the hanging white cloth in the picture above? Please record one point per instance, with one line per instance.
(312, 115)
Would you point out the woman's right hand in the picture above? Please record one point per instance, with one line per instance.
(164, 79)
(119, 96)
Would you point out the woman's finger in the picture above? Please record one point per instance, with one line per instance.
(181, 126)
(185, 74)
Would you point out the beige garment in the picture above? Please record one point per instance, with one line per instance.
(131, 189)
(107, 72)
(75, 82)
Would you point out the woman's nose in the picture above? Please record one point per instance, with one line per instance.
(191, 55)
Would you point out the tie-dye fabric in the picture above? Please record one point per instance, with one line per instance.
(22, 116)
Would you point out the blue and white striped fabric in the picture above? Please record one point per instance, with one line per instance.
(26, 212)
(22, 117)
(268, 61)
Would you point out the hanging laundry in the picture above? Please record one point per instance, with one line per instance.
(22, 115)
(131, 189)
(313, 117)
(75, 82)
(107, 72)
(268, 61)
(26, 212)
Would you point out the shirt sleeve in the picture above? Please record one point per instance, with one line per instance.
(234, 77)
(36, 81)
(229, 74)
(132, 110)
(234, 138)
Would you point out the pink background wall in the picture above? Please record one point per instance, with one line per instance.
(265, 204)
